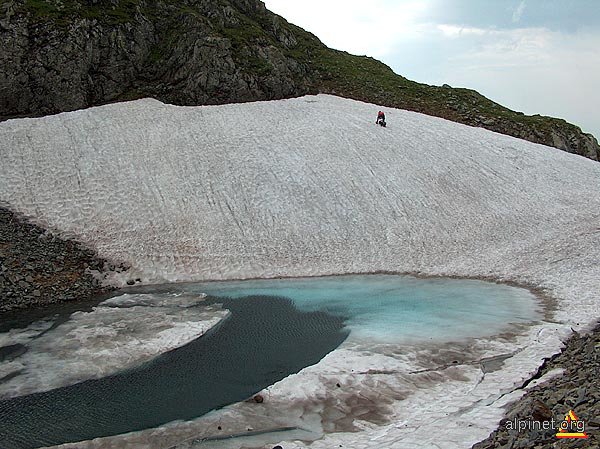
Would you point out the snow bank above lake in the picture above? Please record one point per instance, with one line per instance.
(305, 186)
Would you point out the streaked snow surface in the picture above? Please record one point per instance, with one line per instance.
(311, 186)
(120, 333)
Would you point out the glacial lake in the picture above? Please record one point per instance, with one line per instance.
(275, 329)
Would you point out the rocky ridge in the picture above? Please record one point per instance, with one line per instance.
(61, 55)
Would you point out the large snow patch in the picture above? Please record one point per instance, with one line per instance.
(304, 187)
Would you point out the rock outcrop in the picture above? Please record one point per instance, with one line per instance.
(62, 55)
(186, 53)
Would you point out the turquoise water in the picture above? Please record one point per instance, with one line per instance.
(397, 309)
(276, 328)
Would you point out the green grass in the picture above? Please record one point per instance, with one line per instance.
(242, 38)
(41, 9)
(64, 11)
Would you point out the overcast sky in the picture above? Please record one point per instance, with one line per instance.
(534, 56)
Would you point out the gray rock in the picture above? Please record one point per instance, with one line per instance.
(576, 389)
(171, 54)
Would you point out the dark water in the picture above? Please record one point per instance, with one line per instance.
(263, 341)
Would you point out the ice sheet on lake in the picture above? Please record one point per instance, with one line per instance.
(120, 333)
(311, 186)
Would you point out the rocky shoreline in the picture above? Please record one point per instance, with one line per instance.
(38, 268)
(575, 389)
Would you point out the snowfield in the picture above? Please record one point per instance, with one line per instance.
(311, 186)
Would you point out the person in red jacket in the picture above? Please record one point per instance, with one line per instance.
(380, 118)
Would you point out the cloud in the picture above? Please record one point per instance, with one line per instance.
(356, 26)
(518, 12)
(534, 70)
(457, 31)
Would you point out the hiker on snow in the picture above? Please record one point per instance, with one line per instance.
(380, 118)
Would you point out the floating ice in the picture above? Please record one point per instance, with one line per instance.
(387, 357)
(118, 334)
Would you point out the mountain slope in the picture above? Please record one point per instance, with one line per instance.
(65, 55)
